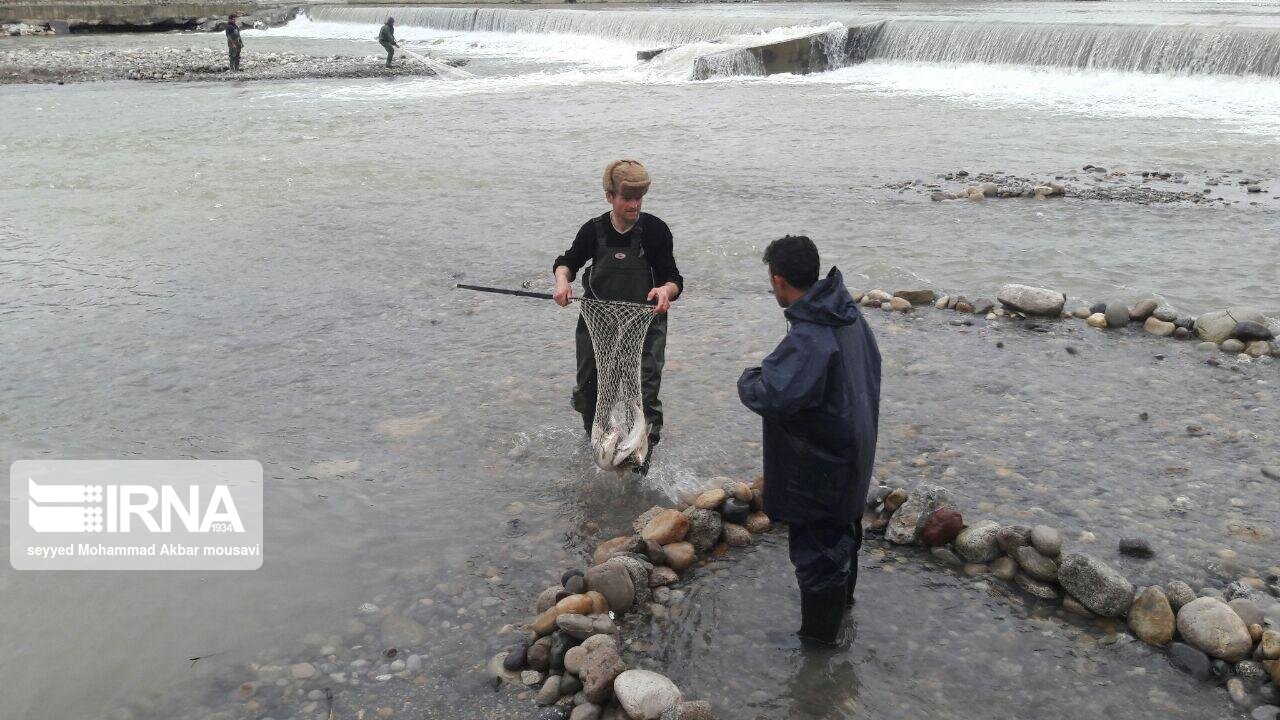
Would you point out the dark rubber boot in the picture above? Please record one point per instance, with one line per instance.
(821, 614)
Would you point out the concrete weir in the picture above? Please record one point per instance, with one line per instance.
(817, 52)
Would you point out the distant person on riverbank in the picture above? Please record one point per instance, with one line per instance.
(819, 396)
(234, 43)
(633, 260)
(387, 38)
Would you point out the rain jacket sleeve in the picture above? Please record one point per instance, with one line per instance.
(792, 378)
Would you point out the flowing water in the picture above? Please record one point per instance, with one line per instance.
(263, 270)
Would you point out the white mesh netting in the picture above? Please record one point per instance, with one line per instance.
(619, 435)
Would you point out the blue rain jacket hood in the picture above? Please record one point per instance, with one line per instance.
(818, 393)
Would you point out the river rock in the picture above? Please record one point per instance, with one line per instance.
(663, 575)
(1036, 565)
(900, 305)
(941, 527)
(1143, 309)
(735, 511)
(1213, 627)
(655, 553)
(1097, 320)
(1248, 611)
(1191, 661)
(1136, 547)
(666, 527)
(1158, 327)
(1151, 617)
(1095, 584)
(539, 654)
(1035, 588)
(599, 668)
(1179, 594)
(643, 518)
(549, 693)
(895, 499)
(736, 535)
(1217, 326)
(577, 604)
(1248, 330)
(1270, 645)
(704, 528)
(547, 598)
(1181, 333)
(978, 542)
(1232, 347)
(576, 584)
(613, 582)
(680, 556)
(577, 626)
(645, 694)
(609, 548)
(1258, 348)
(982, 306)
(573, 659)
(1117, 315)
(1046, 541)
(1265, 712)
(758, 522)
(1165, 313)
(638, 569)
(711, 499)
(1011, 537)
(905, 525)
(1005, 568)
(401, 632)
(916, 297)
(1032, 300)
(586, 711)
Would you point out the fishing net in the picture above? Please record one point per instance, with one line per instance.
(619, 435)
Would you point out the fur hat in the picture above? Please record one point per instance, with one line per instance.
(627, 178)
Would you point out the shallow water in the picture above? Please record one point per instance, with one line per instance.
(262, 270)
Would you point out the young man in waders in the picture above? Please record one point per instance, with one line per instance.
(819, 396)
(631, 260)
(234, 43)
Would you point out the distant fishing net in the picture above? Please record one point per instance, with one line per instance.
(619, 435)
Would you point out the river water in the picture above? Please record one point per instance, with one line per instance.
(263, 270)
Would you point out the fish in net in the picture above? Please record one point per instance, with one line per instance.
(619, 434)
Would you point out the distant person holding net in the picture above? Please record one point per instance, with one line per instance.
(632, 259)
(234, 43)
(819, 396)
(387, 39)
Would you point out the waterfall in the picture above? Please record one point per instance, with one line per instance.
(1182, 49)
(660, 28)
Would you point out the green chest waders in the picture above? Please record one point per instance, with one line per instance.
(621, 273)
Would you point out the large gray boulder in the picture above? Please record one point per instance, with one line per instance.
(1032, 300)
(1097, 585)
(1212, 626)
(645, 694)
(907, 521)
(1217, 326)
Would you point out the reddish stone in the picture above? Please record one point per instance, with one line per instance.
(941, 527)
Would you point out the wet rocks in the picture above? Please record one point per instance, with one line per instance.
(1191, 661)
(599, 668)
(735, 511)
(736, 535)
(1046, 541)
(1158, 327)
(704, 528)
(1035, 588)
(1136, 547)
(645, 695)
(906, 523)
(576, 626)
(1247, 610)
(711, 499)
(941, 527)
(758, 523)
(1232, 347)
(1036, 565)
(1005, 568)
(895, 499)
(1248, 330)
(614, 583)
(1117, 315)
(680, 556)
(1143, 309)
(401, 632)
(1095, 584)
(979, 543)
(1032, 300)
(1151, 617)
(1179, 594)
(666, 527)
(549, 692)
(917, 297)
(1097, 320)
(1211, 626)
(1012, 537)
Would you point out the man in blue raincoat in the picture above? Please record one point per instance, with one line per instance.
(819, 396)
